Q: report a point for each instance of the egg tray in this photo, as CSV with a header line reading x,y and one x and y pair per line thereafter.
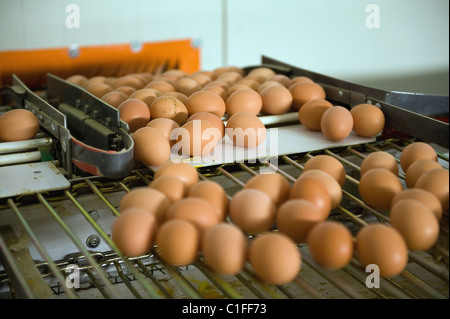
x,y
79,219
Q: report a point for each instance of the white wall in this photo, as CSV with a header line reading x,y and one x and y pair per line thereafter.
x,y
326,36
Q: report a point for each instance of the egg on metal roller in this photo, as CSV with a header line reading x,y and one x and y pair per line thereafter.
x,y
18,125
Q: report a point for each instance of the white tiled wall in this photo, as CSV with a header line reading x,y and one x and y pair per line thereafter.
x,y
327,36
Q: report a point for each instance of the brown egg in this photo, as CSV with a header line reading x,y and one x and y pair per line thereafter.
x,y
246,100
414,152
336,123
281,78
299,79
245,129
165,126
263,73
96,79
180,96
378,187
18,125
202,79
310,114
146,95
379,159
214,194
177,242
197,138
114,98
275,185
151,147
330,244
151,200
173,74
205,101
196,210
187,86
129,80
145,77
78,79
416,169
329,165
436,181
368,120
171,186
237,87
230,77
275,258
303,92
211,118
161,86
252,210
276,100
224,85
314,191
220,70
169,107
331,184
216,89
427,198
416,223
296,217
267,84
134,231
184,171
135,113
384,246
98,89
254,85
224,248
128,90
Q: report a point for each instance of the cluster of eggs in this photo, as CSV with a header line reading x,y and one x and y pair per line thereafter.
x,y
186,110
265,221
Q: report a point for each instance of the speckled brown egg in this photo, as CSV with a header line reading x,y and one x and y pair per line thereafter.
x,y
169,107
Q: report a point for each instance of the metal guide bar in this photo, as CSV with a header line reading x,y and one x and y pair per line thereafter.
x,y
140,272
